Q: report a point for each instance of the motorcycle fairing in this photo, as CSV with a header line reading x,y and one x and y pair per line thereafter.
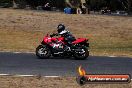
x,y
79,40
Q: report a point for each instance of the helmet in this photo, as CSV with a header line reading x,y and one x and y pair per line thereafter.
x,y
60,28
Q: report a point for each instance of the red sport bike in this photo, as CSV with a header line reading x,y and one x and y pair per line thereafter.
x,y
57,47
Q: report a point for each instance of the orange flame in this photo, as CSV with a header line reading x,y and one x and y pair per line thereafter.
x,y
81,71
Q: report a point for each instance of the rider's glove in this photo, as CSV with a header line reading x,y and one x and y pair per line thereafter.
x,y
51,35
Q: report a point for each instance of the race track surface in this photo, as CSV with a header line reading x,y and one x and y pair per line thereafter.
x,y
28,64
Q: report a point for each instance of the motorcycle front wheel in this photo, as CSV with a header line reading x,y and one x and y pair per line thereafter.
x,y
43,52
81,53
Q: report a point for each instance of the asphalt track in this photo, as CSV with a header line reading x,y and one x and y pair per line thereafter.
x,y
28,64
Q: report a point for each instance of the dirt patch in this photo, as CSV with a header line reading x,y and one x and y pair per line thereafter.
x,y
22,30
42,82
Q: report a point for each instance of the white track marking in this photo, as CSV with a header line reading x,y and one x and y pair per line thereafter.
x,y
23,52
51,76
4,74
112,56
16,52
29,75
24,75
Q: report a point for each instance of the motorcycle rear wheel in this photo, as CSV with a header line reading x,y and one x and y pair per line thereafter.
x,y
43,52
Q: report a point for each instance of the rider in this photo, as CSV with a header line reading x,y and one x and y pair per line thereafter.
x,y
69,38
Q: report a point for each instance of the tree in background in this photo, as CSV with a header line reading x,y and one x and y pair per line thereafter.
x,y
129,6
111,4
6,3
97,4
93,4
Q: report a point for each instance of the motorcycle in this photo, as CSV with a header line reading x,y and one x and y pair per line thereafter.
x,y
57,47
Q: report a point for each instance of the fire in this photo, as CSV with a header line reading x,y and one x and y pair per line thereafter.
x,y
81,71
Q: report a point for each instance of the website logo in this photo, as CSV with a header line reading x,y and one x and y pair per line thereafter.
x,y
84,78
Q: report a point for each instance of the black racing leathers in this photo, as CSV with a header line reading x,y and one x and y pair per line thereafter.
x,y
69,38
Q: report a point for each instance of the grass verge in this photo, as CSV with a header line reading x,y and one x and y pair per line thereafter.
x,y
22,30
